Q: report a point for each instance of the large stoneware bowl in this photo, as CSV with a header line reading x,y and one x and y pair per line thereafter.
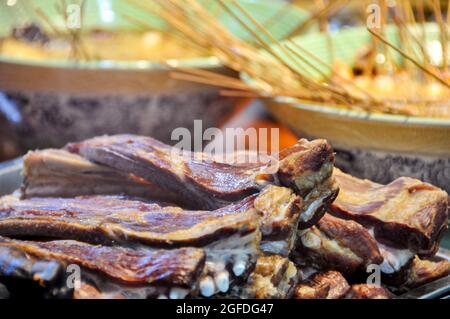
x,y
49,103
376,146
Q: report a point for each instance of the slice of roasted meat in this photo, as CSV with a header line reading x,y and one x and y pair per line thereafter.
x,y
405,214
365,291
229,235
280,209
425,271
58,173
323,285
336,244
203,182
177,269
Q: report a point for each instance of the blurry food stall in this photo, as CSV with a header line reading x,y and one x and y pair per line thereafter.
x,y
380,93
111,74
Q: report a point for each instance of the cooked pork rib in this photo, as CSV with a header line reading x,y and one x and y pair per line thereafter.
x,y
23,274
205,183
323,285
280,209
230,235
365,291
202,183
58,173
332,285
336,244
273,278
405,214
177,269
425,271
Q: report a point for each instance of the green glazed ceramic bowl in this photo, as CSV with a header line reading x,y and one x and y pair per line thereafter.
x,y
48,103
376,146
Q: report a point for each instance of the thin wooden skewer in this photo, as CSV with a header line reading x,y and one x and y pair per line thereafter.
x,y
406,56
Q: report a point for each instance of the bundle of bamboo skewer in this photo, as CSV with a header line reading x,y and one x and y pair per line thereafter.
x,y
288,69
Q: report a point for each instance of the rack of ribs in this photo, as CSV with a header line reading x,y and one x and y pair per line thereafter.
x,y
407,214
345,246
230,235
274,277
58,173
348,247
336,244
202,182
414,212
169,273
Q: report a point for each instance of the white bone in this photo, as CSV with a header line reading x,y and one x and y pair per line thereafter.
x,y
222,280
207,287
239,268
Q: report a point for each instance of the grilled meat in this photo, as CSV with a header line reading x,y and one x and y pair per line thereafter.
x,y
273,278
177,269
230,235
336,244
28,276
346,246
323,285
425,271
365,291
405,214
205,183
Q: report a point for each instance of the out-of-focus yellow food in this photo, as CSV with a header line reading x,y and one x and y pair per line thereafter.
x,y
409,93
103,45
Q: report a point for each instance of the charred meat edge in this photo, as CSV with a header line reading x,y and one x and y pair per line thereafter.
x,y
418,226
336,244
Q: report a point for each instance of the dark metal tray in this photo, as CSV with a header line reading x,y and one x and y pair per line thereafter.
x,y
10,180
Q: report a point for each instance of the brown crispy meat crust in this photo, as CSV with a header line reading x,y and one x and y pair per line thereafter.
x,y
179,267
107,219
406,213
337,244
323,285
365,291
